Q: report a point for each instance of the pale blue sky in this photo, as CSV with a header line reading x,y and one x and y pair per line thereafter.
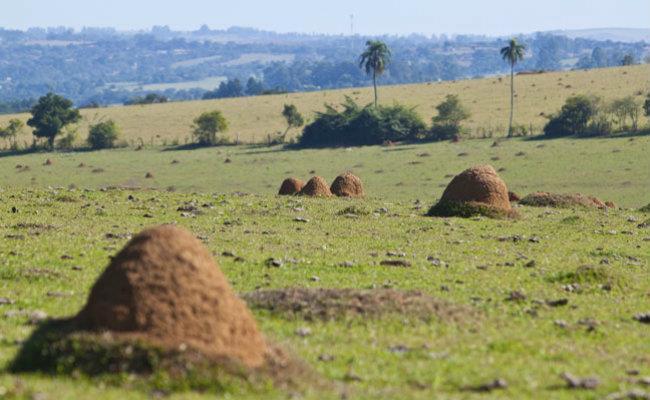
x,y
492,17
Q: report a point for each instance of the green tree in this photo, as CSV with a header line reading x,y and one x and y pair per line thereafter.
x,y
451,113
206,127
50,115
293,117
103,135
628,59
573,118
374,61
13,128
625,108
512,54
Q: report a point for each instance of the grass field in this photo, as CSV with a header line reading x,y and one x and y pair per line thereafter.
x,y
523,300
50,263
252,119
614,169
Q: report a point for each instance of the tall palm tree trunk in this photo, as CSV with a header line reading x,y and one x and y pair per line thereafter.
x,y
512,97
374,84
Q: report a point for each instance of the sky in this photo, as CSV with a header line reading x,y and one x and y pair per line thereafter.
x,y
490,17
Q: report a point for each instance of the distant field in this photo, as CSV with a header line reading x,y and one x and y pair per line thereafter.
x,y
253,118
614,169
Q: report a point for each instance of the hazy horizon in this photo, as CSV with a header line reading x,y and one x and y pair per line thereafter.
x,y
498,18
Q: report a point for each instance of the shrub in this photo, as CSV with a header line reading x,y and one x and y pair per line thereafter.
x,y
625,108
573,118
293,117
103,135
646,106
357,126
447,124
68,140
207,126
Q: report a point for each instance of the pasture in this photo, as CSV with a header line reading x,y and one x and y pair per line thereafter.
x,y
253,119
521,301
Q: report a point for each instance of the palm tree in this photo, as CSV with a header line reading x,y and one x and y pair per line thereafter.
x,y
512,53
374,60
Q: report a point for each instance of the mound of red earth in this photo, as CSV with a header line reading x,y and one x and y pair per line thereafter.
x,y
546,199
477,190
348,185
291,186
316,187
165,288
163,305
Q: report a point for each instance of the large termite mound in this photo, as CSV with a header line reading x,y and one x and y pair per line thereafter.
x,y
348,185
477,190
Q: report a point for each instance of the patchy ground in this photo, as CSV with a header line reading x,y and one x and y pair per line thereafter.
x,y
550,305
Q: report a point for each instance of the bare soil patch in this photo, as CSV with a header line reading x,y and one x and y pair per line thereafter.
x,y
330,304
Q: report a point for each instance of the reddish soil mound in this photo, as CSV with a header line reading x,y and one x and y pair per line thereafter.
x,y
513,197
546,199
477,190
165,288
316,187
291,186
348,185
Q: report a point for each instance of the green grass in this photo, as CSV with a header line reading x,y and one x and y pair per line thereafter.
x,y
612,169
517,341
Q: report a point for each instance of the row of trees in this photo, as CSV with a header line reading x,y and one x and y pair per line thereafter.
x,y
591,116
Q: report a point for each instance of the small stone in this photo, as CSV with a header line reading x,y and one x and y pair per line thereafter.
x,y
5,301
574,382
36,317
516,295
303,332
557,303
643,318
301,219
326,358
395,263
274,262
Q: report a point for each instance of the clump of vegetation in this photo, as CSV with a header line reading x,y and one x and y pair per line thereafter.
x,y
50,115
469,209
590,116
573,118
11,130
103,135
229,88
207,126
151,98
447,124
358,126
590,274
645,209
293,117
646,106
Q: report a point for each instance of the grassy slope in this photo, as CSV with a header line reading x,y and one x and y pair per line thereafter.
x,y
253,118
508,339
614,169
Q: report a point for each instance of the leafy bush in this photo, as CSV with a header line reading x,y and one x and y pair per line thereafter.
x,y
357,126
293,117
206,127
103,135
646,106
447,124
573,118
151,98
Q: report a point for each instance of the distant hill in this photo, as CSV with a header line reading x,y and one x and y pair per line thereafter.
x,y
627,35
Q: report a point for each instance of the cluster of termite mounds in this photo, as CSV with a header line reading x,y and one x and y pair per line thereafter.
x,y
480,190
345,185
162,302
